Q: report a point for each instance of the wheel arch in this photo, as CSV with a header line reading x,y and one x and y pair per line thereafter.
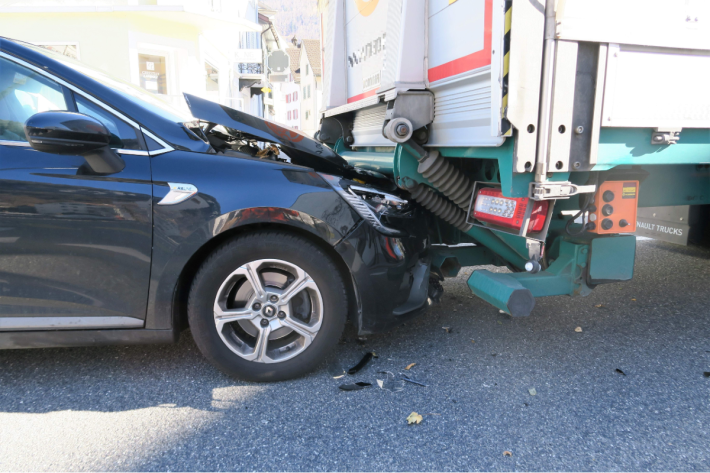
x,y
184,282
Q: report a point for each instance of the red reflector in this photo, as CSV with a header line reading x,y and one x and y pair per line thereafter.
x,y
508,212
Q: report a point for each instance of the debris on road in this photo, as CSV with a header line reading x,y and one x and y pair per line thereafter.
x,y
414,418
365,360
706,374
620,372
409,366
532,391
355,386
578,329
598,306
410,380
390,383
335,369
448,329
507,453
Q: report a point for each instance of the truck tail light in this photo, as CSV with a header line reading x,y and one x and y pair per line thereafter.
x,y
509,212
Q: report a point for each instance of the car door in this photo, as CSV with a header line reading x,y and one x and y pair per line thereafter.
x,y
75,247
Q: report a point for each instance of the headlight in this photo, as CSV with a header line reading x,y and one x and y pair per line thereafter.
x,y
369,203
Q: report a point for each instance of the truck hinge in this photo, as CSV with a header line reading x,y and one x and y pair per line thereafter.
x,y
665,136
557,190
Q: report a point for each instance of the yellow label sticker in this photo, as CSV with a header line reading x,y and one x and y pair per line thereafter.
x,y
628,191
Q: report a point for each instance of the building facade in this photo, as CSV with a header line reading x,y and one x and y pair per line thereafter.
x,y
209,48
311,85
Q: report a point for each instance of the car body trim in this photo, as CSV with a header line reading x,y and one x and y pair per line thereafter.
x,y
179,192
14,143
166,148
136,152
67,323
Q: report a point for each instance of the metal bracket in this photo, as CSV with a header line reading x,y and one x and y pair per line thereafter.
x,y
665,136
409,111
557,190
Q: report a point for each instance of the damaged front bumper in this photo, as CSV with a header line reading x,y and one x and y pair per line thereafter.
x,y
390,276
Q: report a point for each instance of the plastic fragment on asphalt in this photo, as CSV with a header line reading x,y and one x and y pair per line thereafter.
x,y
578,329
448,329
409,366
355,386
532,391
410,380
390,383
620,372
361,364
335,369
507,453
414,418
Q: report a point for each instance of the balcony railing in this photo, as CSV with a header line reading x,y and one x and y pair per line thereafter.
x,y
250,68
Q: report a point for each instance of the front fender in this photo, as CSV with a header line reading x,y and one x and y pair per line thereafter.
x,y
232,193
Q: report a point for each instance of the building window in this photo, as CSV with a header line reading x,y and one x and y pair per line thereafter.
x,y
212,78
307,69
295,127
295,114
288,98
308,114
288,115
69,50
295,96
152,70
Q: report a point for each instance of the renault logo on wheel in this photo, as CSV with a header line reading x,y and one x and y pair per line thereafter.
x,y
269,311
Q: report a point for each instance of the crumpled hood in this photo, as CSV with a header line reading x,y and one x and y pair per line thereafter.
x,y
294,143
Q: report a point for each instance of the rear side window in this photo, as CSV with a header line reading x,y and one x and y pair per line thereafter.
x,y
23,93
123,135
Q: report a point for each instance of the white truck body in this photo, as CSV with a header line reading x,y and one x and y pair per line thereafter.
x,y
650,60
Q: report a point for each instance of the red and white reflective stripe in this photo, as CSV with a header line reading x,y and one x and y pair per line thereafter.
x,y
471,61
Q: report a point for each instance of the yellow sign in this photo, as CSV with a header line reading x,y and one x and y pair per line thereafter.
x,y
266,90
366,7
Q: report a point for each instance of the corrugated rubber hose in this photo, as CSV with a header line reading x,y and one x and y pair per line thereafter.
x,y
439,206
447,179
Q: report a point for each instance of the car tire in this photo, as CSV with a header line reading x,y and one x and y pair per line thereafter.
x,y
236,348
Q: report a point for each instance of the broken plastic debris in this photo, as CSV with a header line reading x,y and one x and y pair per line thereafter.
x,y
414,418
335,369
355,386
578,329
410,380
390,383
409,366
501,312
532,391
365,360
448,329
507,453
620,372
598,305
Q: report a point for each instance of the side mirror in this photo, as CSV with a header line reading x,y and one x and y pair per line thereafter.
x,y
69,133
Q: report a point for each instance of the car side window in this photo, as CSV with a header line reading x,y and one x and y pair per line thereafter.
x,y
123,135
23,93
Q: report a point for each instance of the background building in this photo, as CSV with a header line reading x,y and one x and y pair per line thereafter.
x,y
210,48
311,85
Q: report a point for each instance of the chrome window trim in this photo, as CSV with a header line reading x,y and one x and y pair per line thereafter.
x,y
67,323
136,152
14,143
166,148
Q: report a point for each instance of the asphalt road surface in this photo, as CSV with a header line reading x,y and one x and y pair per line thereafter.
x,y
166,408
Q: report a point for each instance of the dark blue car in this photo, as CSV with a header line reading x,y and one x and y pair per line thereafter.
x,y
123,221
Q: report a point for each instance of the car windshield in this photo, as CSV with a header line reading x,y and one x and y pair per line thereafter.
x,y
130,91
